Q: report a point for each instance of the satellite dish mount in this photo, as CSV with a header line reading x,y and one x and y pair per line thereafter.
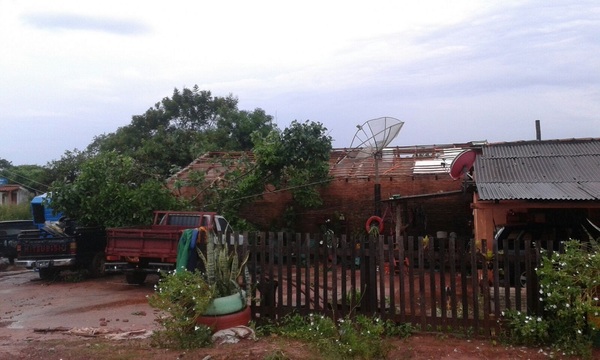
x,y
370,140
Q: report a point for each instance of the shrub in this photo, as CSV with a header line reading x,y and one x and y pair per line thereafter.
x,y
569,285
524,329
182,296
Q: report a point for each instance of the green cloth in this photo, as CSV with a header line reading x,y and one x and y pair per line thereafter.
x,y
183,249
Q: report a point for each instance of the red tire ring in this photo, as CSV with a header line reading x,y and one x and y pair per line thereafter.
x,y
370,221
221,322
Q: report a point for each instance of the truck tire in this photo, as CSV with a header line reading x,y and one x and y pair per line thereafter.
x,y
48,274
135,277
96,267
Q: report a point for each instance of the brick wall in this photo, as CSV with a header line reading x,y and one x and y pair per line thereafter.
x,y
354,198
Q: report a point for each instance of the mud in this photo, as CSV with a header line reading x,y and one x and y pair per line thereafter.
x,y
33,310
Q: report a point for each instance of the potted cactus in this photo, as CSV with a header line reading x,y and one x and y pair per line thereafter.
x,y
225,269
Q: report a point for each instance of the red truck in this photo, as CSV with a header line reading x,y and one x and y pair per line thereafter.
x,y
138,251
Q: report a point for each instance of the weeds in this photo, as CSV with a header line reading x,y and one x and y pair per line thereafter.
x,y
15,212
358,337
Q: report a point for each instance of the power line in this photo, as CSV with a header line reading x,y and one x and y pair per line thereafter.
x,y
26,178
271,192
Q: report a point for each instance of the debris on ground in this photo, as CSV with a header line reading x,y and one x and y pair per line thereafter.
x,y
233,335
111,334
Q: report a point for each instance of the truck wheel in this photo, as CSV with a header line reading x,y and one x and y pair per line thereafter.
x,y
48,274
96,267
135,278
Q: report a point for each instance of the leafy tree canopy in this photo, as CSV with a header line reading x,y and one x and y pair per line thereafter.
x,y
178,129
35,178
295,159
111,190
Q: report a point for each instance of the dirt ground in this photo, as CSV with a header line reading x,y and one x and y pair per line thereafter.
x,y
106,318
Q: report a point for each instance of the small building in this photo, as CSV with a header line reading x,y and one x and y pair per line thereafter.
x,y
11,194
535,181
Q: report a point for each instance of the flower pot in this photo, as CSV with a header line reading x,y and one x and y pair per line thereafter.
x,y
220,322
226,304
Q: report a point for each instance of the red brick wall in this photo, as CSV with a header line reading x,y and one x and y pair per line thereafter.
x,y
354,198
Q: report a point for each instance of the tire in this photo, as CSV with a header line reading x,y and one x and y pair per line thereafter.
x,y
48,274
370,224
523,279
96,267
135,277
221,322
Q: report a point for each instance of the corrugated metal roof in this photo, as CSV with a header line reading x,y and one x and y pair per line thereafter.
x,y
539,170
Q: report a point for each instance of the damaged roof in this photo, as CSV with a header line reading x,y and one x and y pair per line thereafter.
x,y
566,169
344,163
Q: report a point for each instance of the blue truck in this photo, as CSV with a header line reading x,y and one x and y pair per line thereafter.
x,y
59,243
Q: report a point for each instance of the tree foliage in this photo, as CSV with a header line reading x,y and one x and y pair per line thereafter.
x,y
111,190
69,165
119,178
35,178
295,159
179,128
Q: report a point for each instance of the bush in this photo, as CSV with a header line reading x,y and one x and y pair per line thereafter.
x,y
569,285
182,296
524,329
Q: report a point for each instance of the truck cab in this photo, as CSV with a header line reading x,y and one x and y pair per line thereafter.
x,y
42,212
57,243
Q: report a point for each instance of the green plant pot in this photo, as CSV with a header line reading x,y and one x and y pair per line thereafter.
x,y
226,305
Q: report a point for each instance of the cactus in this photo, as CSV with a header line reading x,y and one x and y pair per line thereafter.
x,y
223,267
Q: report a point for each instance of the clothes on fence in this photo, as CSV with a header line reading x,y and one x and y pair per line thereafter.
x,y
187,257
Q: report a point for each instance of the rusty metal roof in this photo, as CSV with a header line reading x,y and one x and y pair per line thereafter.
x,y
566,169
10,187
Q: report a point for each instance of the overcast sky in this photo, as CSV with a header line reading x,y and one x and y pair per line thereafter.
x,y
453,71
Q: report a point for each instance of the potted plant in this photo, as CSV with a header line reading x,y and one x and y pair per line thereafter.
x,y
211,297
225,269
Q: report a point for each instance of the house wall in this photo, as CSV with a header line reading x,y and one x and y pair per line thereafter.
x,y
489,215
15,197
348,203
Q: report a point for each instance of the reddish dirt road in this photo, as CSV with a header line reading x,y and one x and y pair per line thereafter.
x,y
34,310
35,317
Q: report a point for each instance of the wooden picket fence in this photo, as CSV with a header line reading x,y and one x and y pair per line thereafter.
x,y
443,284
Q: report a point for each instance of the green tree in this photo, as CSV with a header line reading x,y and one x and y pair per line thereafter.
x,y
67,168
35,178
295,159
112,190
179,128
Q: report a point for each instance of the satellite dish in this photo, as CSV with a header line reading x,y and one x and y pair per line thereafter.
x,y
370,139
462,163
373,136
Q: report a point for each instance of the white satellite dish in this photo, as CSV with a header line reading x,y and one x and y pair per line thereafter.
x,y
369,141
373,136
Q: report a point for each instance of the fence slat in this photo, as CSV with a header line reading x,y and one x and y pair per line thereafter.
x,y
445,285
